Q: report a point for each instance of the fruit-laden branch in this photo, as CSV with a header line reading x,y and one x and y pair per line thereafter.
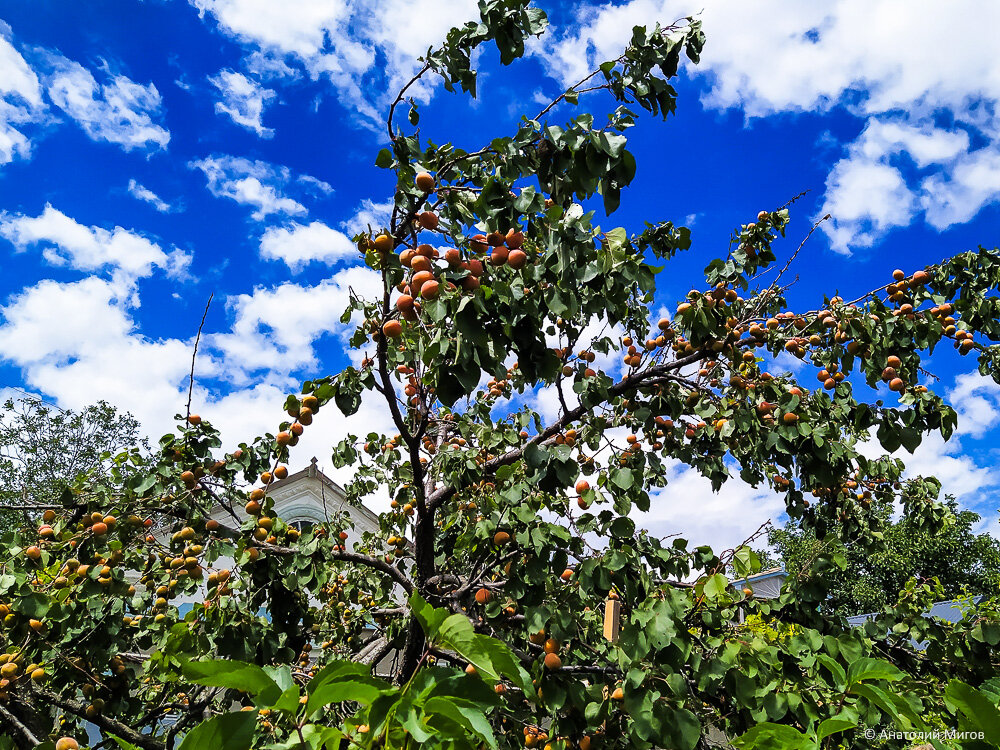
x,y
124,731
636,379
340,555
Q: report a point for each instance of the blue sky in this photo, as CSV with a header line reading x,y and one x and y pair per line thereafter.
x,y
155,153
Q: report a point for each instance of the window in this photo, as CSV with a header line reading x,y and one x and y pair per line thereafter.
x,y
302,525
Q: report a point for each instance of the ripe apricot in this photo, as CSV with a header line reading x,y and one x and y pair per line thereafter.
x,y
392,329
551,646
553,662
67,743
420,263
425,182
470,283
281,472
789,417
483,596
283,438
194,419
494,239
33,552
567,574
514,238
99,529
383,243
517,259
430,289
428,220
501,538
454,257
582,486
898,275
419,279
499,255
479,244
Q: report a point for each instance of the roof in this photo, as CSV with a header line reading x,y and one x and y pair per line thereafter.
x,y
763,575
313,471
951,611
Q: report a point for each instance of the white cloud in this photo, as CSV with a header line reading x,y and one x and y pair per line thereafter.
x,y
369,214
251,183
243,100
274,329
317,186
269,66
864,199
120,111
300,244
977,400
879,61
688,507
63,335
20,102
365,55
66,242
143,193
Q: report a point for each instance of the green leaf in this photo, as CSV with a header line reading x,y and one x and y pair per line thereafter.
x,y
834,668
768,736
866,668
979,709
464,713
121,743
491,658
891,704
236,675
430,619
349,687
384,159
835,724
716,585
232,731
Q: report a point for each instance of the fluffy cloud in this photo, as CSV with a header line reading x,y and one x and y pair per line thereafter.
x,y
369,214
66,242
274,329
77,342
688,507
930,111
143,193
366,56
20,101
300,244
251,183
977,401
119,111
243,100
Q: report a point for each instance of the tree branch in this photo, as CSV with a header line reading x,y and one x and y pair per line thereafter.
x,y
19,726
124,731
441,495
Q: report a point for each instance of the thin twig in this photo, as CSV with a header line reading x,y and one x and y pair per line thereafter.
x,y
194,355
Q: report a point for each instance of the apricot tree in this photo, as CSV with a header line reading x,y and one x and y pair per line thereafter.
x,y
511,530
